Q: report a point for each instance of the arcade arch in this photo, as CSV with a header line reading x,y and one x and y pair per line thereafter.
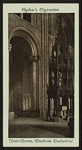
x,y
22,72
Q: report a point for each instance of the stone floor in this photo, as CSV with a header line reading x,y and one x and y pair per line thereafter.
x,y
37,128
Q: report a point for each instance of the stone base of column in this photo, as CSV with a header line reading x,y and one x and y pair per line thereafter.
x,y
44,113
51,113
41,113
57,119
11,115
49,117
45,116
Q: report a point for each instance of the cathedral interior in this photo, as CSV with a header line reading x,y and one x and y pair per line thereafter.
x,y
41,65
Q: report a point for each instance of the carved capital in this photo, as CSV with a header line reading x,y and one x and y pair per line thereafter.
x,y
39,57
32,58
10,47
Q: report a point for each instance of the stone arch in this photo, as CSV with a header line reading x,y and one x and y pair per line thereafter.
x,y
29,36
35,46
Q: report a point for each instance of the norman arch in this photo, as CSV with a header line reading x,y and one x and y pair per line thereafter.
x,y
30,37
24,66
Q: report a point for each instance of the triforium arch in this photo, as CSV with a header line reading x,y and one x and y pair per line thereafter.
x,y
27,99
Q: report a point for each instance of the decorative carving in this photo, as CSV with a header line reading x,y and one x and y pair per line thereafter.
x,y
10,47
60,77
32,58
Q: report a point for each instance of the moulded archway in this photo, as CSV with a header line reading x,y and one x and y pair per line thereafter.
x,y
29,36
24,52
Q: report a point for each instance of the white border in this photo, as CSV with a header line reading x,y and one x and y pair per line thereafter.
x,y
17,8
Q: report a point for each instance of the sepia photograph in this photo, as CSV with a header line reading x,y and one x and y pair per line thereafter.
x,y
41,76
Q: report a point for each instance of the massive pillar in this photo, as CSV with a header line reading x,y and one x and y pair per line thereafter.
x,y
45,56
34,84
46,62
40,86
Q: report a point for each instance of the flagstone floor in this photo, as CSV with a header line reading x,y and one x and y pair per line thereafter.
x,y
37,128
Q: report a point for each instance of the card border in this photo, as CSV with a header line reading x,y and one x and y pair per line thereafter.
x,y
79,57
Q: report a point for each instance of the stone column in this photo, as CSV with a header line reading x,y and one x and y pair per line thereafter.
x,y
49,23
11,113
49,117
40,85
42,48
38,20
32,18
46,67
10,85
67,66
22,15
34,84
37,84
68,110
45,59
52,18
71,105
45,64
35,20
